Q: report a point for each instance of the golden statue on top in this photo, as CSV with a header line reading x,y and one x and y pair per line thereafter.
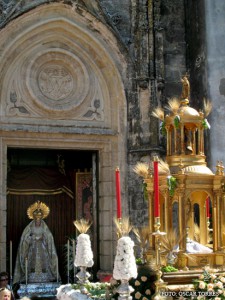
x,y
185,89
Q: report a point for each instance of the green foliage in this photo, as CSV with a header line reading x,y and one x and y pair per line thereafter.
x,y
172,184
205,124
163,128
145,192
168,269
176,122
96,290
139,261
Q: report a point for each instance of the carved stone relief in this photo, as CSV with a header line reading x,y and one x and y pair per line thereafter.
x,y
57,70
57,83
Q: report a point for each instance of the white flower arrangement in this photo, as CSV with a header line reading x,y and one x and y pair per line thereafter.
x,y
84,254
125,263
209,286
66,292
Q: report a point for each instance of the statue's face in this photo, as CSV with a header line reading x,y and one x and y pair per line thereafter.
x,y
37,215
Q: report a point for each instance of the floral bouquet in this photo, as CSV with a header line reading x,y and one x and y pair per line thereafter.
x,y
209,286
125,263
84,254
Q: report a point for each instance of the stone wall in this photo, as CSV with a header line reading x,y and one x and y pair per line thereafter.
x,y
149,45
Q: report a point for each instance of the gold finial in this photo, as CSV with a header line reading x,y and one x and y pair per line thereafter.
x,y
218,168
38,207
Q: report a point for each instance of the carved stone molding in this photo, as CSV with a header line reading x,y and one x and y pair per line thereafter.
x,y
54,69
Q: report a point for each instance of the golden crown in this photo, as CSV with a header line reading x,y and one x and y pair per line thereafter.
x,y
38,207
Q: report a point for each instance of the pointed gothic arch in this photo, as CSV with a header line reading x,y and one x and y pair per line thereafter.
x,y
62,86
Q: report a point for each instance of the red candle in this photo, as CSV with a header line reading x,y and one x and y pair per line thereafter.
x,y
118,196
207,207
156,188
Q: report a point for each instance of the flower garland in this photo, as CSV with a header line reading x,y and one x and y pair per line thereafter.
x,y
209,286
125,265
84,254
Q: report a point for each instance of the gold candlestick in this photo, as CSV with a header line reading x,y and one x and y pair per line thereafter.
x,y
160,285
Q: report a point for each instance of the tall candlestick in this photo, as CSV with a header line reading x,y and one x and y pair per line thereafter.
x,y
207,207
68,261
10,258
156,188
118,195
26,265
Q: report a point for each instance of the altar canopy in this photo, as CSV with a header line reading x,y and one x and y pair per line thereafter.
x,y
42,181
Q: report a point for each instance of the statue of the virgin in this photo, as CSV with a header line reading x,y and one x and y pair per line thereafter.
x,y
36,257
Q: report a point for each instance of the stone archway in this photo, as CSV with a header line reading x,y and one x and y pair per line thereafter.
x,y
62,87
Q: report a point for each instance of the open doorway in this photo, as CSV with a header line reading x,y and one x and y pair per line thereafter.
x,y
63,180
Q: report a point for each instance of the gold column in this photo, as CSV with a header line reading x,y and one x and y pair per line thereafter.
x,y
220,212
175,140
194,141
182,224
191,223
215,222
165,195
199,140
203,150
168,139
222,219
182,138
201,146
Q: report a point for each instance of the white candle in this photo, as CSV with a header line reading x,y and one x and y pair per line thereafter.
x,y
10,257
68,260
26,269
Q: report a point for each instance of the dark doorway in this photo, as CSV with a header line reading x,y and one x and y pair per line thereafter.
x,y
51,177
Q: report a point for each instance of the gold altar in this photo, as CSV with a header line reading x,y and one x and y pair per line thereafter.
x,y
183,206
